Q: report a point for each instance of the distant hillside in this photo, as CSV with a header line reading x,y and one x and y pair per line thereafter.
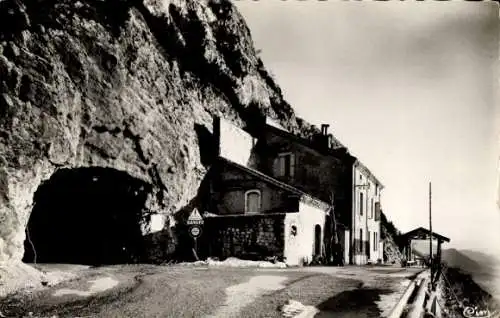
x,y
455,258
485,259
421,248
482,267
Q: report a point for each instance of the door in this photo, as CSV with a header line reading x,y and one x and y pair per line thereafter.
x,y
317,240
368,248
292,245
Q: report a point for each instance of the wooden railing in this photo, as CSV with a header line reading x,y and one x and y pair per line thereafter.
x,y
417,309
426,302
397,311
418,291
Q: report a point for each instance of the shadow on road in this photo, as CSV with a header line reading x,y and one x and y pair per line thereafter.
x,y
353,303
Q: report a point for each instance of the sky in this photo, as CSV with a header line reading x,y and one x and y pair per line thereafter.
x,y
410,88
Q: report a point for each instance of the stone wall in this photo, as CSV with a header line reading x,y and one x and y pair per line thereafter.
x,y
246,237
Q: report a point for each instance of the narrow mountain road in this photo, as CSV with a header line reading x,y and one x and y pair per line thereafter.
x,y
186,291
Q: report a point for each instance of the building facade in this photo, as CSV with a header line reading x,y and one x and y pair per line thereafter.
x,y
314,189
323,168
253,215
365,225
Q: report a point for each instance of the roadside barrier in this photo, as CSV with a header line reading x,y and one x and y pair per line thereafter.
x,y
397,311
417,308
400,307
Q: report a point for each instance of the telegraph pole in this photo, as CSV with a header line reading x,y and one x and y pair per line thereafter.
x,y
430,229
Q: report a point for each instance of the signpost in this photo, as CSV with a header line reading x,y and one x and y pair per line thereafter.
x,y
430,236
195,221
195,218
195,231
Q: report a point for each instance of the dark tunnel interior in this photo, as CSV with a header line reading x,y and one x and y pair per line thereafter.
x,y
87,216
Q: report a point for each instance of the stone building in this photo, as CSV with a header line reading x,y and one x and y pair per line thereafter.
x,y
316,181
253,216
324,168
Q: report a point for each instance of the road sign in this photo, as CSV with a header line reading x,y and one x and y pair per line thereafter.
x,y
195,231
195,218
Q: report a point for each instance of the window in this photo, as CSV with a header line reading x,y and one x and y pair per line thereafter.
x,y
361,203
252,201
368,235
286,165
377,211
375,241
372,208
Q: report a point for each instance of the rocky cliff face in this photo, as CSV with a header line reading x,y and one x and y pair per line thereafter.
x,y
390,235
392,254
130,85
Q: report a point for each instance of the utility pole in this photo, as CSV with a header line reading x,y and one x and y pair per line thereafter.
x,y
430,229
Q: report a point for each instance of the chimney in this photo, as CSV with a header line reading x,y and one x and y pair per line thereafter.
x,y
324,129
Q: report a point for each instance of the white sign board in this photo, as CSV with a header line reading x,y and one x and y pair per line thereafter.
x,y
195,218
235,144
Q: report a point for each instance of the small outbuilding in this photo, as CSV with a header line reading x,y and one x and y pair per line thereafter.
x,y
416,247
254,216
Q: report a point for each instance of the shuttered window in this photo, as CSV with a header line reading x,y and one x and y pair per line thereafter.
x,y
372,208
361,203
377,211
368,235
286,165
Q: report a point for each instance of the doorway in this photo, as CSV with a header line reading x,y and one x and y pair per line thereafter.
x,y
317,240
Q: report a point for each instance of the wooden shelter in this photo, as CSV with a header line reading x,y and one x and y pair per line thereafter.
x,y
416,245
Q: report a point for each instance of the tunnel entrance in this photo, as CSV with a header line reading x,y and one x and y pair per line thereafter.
x,y
87,216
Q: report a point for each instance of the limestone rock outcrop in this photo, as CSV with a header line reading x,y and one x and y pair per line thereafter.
x,y
390,236
124,84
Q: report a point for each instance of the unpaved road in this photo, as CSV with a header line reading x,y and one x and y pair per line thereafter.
x,y
180,291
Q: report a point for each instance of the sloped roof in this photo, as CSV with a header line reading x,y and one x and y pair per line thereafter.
x,y
333,152
425,231
273,181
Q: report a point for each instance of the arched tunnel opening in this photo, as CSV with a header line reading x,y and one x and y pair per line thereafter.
x,y
87,216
